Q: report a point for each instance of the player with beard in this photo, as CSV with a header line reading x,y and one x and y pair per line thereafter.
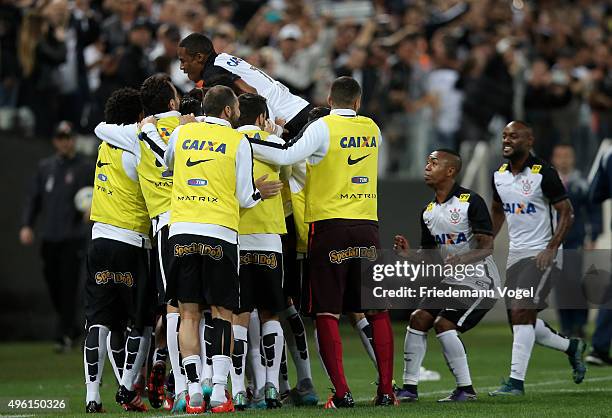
x,y
212,180
528,193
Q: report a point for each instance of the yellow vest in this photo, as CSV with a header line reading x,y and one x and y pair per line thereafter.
x,y
298,202
155,179
267,217
343,185
204,189
117,199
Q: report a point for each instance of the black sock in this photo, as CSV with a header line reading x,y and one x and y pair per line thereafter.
x,y
411,388
468,389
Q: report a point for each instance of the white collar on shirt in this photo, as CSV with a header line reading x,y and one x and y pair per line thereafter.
x,y
168,114
217,121
343,112
249,128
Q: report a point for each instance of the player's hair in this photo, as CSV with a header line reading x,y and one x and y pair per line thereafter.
x,y
318,112
251,106
344,91
123,106
191,102
190,105
456,162
197,43
156,93
216,99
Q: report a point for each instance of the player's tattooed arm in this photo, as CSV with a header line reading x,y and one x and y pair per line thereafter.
x,y
497,216
565,213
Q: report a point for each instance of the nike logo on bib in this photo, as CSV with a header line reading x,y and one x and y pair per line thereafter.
x,y
100,164
350,161
190,163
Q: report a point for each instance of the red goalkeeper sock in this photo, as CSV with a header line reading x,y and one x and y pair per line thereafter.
x,y
330,347
382,340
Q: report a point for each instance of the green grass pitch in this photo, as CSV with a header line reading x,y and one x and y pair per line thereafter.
x,y
33,371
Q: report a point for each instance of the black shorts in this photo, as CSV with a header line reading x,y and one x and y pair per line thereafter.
x,y
261,281
297,123
465,313
337,249
292,272
160,266
204,270
524,275
118,290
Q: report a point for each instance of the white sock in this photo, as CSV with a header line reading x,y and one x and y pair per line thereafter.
x,y
524,338
283,377
136,351
94,354
239,355
456,358
546,336
298,343
272,340
221,368
415,345
365,333
172,325
115,346
255,357
192,365
316,339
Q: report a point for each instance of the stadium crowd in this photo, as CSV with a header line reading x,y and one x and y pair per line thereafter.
x,y
434,73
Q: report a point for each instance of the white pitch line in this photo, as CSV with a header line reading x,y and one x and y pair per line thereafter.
x,y
527,386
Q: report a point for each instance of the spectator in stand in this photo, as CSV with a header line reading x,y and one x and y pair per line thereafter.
x,y
41,50
409,105
115,28
10,21
546,92
448,99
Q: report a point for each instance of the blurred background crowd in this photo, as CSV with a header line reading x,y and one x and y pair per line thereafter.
x,y
434,73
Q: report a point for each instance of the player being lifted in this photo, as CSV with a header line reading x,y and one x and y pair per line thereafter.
x,y
207,68
457,223
528,193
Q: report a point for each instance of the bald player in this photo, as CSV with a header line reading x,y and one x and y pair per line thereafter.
x,y
457,224
528,193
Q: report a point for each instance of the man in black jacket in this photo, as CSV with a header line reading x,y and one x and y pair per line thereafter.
x,y
62,229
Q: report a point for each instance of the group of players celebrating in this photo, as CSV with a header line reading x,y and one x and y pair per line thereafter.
x,y
235,204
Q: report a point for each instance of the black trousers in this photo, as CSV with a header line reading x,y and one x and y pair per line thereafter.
x,y
61,269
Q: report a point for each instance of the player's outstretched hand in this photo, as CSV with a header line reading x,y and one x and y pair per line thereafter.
x,y
148,119
401,245
545,258
268,189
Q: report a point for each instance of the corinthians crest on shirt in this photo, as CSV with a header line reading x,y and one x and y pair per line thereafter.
x,y
526,186
455,216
